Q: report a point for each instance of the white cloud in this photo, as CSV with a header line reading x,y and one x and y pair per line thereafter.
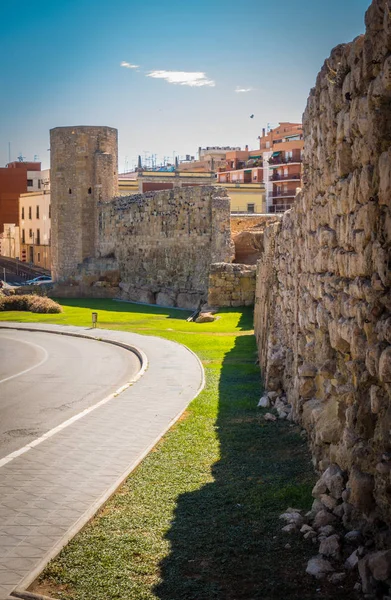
x,y
128,65
192,79
243,90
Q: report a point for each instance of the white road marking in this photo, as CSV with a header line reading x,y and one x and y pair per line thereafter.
x,y
144,364
45,357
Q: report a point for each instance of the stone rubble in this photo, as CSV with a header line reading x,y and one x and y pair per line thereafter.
x,y
319,567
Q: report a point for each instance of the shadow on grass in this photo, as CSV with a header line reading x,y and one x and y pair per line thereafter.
x,y
124,307
246,314
225,539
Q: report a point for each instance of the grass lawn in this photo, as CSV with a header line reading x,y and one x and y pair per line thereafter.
x,y
198,519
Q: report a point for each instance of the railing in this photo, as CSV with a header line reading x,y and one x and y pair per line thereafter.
x,y
21,269
282,194
236,210
276,177
279,208
277,160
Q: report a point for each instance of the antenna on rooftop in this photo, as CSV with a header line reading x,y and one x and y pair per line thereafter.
x,y
21,158
36,158
9,152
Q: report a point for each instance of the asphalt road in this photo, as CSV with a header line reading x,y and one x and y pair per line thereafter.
x,y
45,379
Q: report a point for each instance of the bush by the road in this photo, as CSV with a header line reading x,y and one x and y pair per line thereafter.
x,y
32,303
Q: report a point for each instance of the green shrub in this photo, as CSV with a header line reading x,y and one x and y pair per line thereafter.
x,y
32,303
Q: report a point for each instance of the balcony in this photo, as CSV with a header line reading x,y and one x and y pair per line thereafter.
x,y
280,160
282,194
279,208
290,176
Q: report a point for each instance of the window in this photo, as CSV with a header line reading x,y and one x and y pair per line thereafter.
x,y
39,187
251,208
29,183
39,257
50,211
23,237
22,212
30,213
38,239
37,212
30,233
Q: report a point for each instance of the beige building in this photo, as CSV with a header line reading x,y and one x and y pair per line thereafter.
x,y
9,241
35,228
245,197
210,159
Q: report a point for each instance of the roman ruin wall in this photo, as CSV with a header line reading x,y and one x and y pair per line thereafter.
x,y
231,285
164,243
247,235
155,247
249,222
83,173
323,301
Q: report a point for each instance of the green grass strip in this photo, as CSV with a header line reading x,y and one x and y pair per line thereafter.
x,y
198,519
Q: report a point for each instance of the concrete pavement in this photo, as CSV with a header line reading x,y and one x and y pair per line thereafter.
x,y
50,491
45,379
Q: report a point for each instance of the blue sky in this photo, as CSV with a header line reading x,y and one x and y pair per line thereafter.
x,y
60,64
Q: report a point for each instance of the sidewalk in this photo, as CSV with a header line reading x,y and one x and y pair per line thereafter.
x,y
48,493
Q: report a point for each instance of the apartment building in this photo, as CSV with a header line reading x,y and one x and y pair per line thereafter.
x,y
276,166
210,159
282,149
35,225
15,179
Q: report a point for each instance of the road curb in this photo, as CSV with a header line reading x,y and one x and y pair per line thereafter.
x,y
139,353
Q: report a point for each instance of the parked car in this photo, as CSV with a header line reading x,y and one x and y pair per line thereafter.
x,y
39,280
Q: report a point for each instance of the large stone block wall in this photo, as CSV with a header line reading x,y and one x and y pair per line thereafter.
x,y
247,235
231,285
164,243
323,301
249,222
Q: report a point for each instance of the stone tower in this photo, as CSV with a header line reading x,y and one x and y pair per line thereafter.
x,y
84,172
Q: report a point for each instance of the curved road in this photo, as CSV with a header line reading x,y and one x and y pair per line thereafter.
x,y
48,492
45,379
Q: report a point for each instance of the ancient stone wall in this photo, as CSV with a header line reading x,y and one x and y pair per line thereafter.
x,y
83,173
247,235
164,243
231,285
323,302
154,247
251,222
